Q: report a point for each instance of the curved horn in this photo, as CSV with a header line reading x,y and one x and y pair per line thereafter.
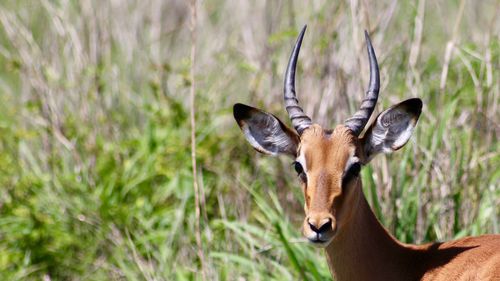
x,y
358,121
299,119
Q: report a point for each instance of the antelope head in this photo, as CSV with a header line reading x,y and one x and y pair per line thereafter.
x,y
328,161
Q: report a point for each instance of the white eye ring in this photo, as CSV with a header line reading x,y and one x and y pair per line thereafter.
x,y
350,162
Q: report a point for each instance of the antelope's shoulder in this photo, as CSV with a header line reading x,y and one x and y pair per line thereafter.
x,y
469,258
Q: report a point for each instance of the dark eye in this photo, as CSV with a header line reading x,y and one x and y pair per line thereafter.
x,y
300,171
351,173
298,167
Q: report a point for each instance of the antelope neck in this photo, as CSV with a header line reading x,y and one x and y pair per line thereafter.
x,y
364,250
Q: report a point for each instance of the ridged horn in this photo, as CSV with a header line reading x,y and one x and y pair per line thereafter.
x,y
358,121
300,120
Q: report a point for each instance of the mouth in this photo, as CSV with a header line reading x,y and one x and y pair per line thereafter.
x,y
321,243
320,240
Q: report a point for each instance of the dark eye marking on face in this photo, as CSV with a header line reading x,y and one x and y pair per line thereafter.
x,y
300,171
351,173
298,167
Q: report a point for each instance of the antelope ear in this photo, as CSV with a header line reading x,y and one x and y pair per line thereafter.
x,y
265,132
391,129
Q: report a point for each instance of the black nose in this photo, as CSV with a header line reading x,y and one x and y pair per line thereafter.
x,y
320,227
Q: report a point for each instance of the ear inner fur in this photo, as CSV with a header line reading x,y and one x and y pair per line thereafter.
x,y
265,132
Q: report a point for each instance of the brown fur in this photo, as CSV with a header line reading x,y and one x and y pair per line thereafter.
x,y
360,247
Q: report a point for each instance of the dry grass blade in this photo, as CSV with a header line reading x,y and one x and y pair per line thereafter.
x,y
450,46
192,94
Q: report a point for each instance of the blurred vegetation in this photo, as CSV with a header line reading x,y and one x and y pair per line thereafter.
x,y
95,168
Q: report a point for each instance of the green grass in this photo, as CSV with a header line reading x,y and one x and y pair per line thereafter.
x,y
95,167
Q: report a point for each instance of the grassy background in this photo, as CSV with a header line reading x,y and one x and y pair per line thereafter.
x,y
95,168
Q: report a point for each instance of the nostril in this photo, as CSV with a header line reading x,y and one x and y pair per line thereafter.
x,y
326,226
312,226
320,227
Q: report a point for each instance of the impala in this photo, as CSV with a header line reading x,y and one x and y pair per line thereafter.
x,y
337,215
